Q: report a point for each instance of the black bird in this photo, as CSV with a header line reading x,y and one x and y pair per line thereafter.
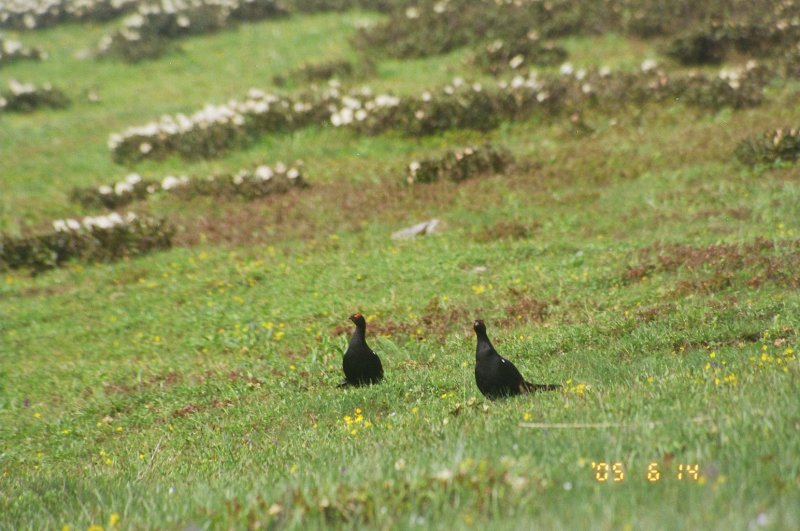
x,y
361,365
495,375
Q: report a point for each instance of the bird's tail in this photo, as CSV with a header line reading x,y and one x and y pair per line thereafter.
x,y
528,387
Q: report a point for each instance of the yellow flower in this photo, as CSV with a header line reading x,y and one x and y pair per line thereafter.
x,y
527,417
712,355
279,335
113,520
37,415
478,289
95,527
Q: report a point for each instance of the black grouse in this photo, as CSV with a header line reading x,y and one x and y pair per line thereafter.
x,y
361,365
495,375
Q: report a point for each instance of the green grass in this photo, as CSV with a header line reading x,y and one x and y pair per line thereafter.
x,y
197,386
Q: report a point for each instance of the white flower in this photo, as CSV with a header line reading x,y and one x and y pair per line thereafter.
x,y
516,61
280,167
361,115
412,12
426,96
73,224
183,21
294,173
130,217
122,187
60,225
414,167
145,148
566,69
170,182
133,178
604,71
264,173
105,189
648,65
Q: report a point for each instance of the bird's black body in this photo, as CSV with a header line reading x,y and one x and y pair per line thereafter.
x,y
360,364
496,376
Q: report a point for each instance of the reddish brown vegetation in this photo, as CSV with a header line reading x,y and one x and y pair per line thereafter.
x,y
437,321
195,408
159,380
718,266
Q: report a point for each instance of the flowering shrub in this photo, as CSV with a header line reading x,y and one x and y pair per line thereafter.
x,y
26,97
431,27
146,33
713,43
30,14
217,128
500,55
247,184
130,189
769,147
458,105
94,239
11,51
460,165
325,71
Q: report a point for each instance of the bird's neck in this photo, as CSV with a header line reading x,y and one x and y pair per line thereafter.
x,y
359,335
485,347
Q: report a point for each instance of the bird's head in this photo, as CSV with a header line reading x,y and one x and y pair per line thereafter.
x,y
479,326
358,320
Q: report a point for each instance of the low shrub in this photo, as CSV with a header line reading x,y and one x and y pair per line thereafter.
x,y
460,165
247,184
31,14
148,33
93,239
500,55
12,51
26,97
326,71
772,146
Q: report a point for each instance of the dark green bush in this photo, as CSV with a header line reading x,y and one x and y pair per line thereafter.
x,y
500,55
459,165
26,97
99,239
769,147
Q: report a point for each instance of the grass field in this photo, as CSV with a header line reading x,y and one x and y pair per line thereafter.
x,y
640,266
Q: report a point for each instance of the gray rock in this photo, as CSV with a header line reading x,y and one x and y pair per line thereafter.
x,y
420,229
